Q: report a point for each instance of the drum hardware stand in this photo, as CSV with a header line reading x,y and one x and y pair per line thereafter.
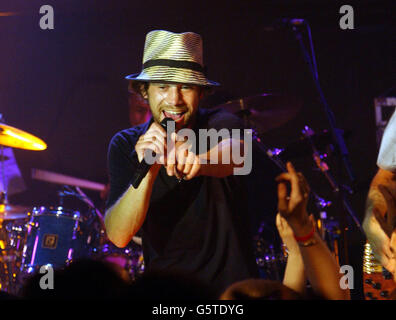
x,y
318,159
3,192
336,134
328,228
79,194
5,259
83,197
273,154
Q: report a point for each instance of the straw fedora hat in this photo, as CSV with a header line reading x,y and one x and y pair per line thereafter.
x,y
173,57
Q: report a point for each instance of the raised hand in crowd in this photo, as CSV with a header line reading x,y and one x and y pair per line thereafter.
x,y
294,276
320,266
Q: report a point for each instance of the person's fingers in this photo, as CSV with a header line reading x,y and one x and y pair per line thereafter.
x,y
181,156
277,219
278,223
156,135
170,169
160,147
159,132
154,142
143,146
283,223
177,174
171,151
154,138
158,128
194,169
283,177
180,166
304,185
183,166
189,163
295,193
382,222
182,152
282,198
290,168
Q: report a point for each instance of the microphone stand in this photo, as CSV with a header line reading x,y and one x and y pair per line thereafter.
x,y
4,191
335,132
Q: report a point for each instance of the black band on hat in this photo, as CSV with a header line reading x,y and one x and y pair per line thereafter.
x,y
174,64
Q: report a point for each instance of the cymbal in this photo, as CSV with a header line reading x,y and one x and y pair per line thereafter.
x,y
16,138
12,212
264,111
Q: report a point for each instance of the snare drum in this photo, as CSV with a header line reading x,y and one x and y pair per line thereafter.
x,y
55,236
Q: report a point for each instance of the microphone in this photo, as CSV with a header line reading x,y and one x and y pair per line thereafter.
x,y
143,166
285,22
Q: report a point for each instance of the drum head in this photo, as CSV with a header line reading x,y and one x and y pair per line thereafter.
x,y
57,211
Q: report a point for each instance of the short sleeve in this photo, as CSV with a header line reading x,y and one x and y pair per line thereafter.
x,y
122,163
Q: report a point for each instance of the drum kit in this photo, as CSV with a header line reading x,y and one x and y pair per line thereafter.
x,y
54,236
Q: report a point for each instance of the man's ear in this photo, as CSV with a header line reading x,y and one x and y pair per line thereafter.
x,y
138,87
143,90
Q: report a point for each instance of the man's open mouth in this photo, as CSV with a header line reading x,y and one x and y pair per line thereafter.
x,y
175,115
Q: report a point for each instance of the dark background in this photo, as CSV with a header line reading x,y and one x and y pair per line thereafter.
x,y
67,85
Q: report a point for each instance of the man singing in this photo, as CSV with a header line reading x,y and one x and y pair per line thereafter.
x,y
191,212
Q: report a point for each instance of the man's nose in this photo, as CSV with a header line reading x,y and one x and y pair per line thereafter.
x,y
174,97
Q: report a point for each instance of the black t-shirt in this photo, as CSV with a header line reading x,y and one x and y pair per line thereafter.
x,y
199,227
